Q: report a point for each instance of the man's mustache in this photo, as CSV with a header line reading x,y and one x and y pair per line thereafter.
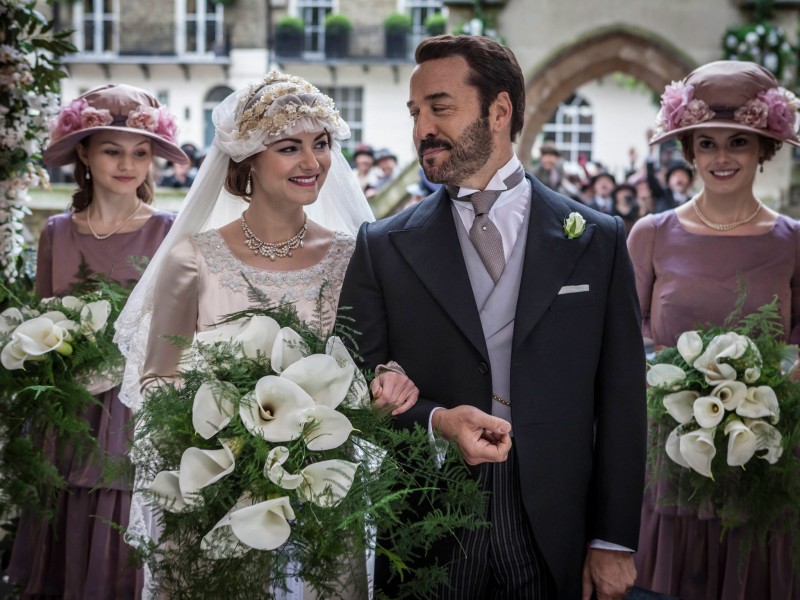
x,y
431,144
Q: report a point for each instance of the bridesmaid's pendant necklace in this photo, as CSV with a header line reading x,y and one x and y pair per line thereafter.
x,y
724,226
273,251
116,229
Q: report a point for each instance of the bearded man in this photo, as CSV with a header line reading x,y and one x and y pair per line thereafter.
x,y
514,311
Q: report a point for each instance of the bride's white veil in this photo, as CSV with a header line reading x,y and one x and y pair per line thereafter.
x,y
245,122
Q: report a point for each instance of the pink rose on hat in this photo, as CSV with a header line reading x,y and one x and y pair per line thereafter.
x,y
70,118
753,114
167,128
144,117
92,117
781,116
674,101
695,112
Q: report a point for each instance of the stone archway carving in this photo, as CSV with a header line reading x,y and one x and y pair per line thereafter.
x,y
642,54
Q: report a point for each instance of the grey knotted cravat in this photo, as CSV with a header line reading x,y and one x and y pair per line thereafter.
x,y
484,234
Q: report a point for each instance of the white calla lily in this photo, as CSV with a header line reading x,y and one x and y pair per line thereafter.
x,y
725,346
10,318
263,526
72,303
41,335
767,438
256,335
322,378
697,449
680,405
12,356
201,468
212,408
358,395
166,490
328,429
752,374
274,470
760,402
56,316
742,443
730,393
690,346
708,411
327,482
288,348
673,449
220,542
94,316
665,376
273,410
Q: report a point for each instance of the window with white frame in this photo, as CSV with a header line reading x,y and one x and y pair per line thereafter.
x,y
420,10
200,26
212,99
571,128
313,13
350,104
96,26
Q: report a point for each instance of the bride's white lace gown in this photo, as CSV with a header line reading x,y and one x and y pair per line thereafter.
x,y
200,282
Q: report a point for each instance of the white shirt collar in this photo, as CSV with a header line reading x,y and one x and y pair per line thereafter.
x,y
496,182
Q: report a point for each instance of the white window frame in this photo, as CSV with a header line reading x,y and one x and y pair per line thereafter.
x,y
348,99
98,17
313,34
201,19
556,128
419,11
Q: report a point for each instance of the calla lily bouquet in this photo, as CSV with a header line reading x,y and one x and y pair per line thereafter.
x,y
54,354
727,416
265,460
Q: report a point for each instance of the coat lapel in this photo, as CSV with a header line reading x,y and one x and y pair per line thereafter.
x,y
549,258
429,244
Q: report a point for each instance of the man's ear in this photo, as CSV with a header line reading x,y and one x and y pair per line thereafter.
x,y
500,112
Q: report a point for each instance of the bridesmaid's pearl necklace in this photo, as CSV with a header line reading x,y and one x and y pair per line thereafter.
x,y
270,250
116,229
724,226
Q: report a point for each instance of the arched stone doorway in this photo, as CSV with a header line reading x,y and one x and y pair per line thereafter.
x,y
642,54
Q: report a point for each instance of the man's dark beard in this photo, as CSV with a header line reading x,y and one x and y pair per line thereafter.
x,y
468,154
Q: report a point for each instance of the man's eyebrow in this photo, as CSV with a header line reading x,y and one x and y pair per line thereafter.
x,y
430,98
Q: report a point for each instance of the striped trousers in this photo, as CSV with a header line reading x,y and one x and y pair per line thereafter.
x,y
501,561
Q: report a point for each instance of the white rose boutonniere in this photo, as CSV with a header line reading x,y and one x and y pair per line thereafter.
x,y
574,225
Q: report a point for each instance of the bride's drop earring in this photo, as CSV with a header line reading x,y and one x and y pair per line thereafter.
x,y
88,174
248,188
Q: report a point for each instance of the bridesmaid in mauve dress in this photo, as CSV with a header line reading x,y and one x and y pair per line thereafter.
x,y
111,133
730,117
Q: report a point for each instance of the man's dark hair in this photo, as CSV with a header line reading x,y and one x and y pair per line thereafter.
x,y
493,69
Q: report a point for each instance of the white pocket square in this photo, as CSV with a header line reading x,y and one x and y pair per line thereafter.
x,y
574,289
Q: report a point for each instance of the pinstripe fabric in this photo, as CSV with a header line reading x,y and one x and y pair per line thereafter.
x,y
502,561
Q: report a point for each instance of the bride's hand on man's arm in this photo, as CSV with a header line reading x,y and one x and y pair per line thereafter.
x,y
394,392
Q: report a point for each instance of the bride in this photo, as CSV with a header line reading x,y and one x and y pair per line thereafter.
x,y
284,222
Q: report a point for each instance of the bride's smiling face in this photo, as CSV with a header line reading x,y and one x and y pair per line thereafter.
x,y
292,169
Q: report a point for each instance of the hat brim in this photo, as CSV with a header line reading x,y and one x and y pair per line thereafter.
x,y
62,151
718,124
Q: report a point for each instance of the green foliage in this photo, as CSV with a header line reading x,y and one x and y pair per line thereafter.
x,y
337,23
763,43
397,23
760,498
436,24
398,489
43,404
289,24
